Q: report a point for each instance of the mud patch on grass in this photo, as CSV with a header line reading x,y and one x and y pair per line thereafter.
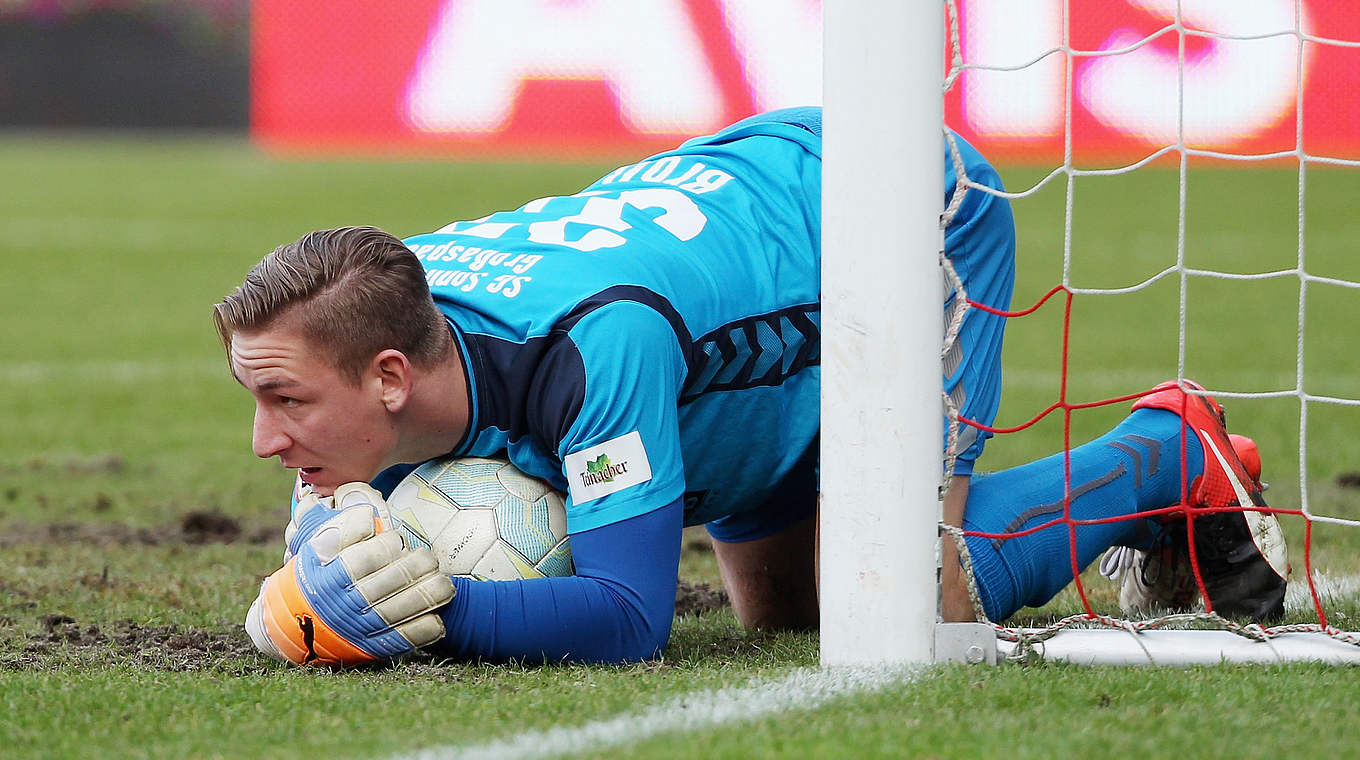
x,y
64,641
693,598
209,527
1348,480
107,463
195,527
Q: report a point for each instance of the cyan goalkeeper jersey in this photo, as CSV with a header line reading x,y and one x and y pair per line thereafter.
x,y
655,335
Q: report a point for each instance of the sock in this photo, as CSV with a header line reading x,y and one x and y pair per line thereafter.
x,y
1134,467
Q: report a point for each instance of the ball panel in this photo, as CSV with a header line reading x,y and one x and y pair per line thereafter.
x,y
523,525
557,514
469,535
503,563
526,487
471,482
557,561
420,511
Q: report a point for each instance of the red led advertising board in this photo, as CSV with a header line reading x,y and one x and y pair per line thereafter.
x,y
590,78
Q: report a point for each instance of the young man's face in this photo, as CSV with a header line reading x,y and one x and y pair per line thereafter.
x,y
309,415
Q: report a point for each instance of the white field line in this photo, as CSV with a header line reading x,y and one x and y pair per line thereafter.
x,y
801,689
1331,590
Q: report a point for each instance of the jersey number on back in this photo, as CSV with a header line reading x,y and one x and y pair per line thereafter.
x,y
602,211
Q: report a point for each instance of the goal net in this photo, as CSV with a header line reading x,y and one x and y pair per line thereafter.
x,y
1180,173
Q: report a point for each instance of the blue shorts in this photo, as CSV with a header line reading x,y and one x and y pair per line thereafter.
x,y
793,500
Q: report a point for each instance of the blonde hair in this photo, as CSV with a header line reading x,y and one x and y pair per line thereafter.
x,y
354,291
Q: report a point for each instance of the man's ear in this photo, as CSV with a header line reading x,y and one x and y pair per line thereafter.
x,y
393,370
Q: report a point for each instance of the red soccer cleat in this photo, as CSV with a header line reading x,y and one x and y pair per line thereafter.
x,y
1242,555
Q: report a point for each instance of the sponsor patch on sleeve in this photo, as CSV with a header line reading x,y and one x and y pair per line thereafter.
x,y
607,468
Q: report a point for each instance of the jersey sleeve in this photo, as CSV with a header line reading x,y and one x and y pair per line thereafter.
x,y
980,243
621,453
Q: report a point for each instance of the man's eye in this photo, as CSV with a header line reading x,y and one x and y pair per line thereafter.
x,y
289,401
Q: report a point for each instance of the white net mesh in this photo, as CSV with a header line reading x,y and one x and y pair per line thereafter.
x,y
1185,123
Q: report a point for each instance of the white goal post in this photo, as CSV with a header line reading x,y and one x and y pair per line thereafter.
x,y
882,195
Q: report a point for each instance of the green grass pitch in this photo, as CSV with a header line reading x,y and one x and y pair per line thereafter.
x,y
135,524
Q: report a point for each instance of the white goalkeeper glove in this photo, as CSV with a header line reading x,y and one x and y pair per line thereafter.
x,y
351,593
311,512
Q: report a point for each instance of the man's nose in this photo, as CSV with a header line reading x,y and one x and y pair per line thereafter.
x,y
267,439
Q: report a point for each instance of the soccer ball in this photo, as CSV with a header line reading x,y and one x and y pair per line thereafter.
x,y
483,519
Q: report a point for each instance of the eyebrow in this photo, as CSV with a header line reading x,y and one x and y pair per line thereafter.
x,y
273,384
270,384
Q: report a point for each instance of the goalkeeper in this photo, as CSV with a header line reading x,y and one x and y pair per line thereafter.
x,y
665,317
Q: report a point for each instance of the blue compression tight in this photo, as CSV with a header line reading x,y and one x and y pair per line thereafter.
x,y
1135,467
617,608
